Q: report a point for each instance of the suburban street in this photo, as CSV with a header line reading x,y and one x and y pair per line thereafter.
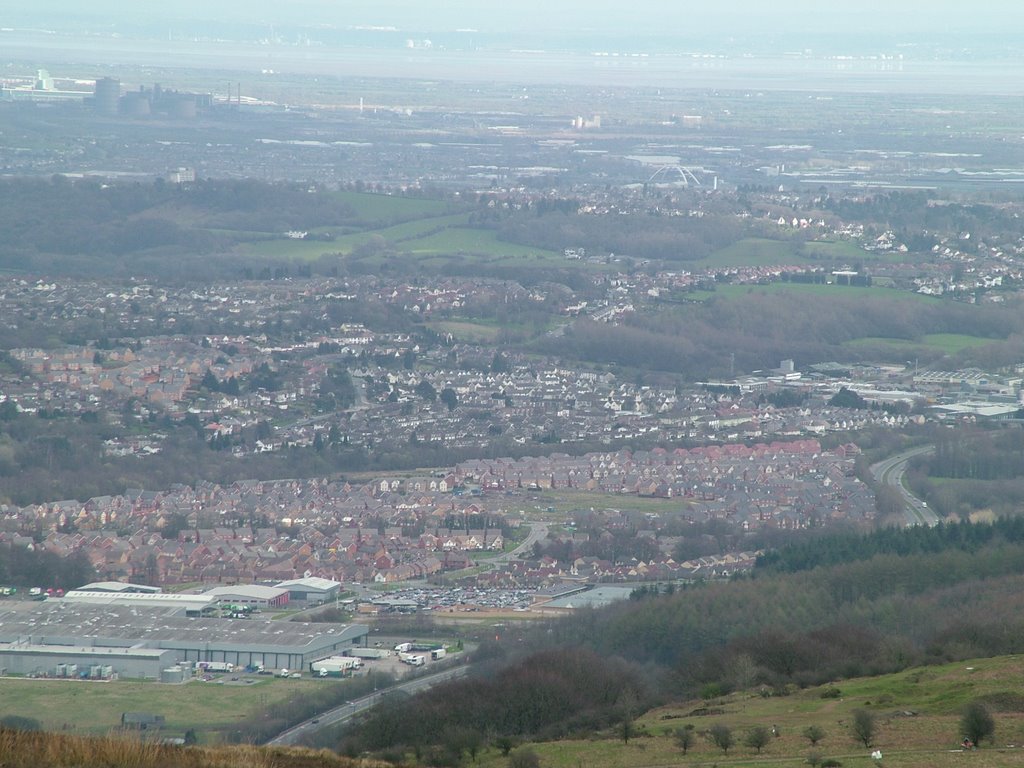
x,y
891,472
538,532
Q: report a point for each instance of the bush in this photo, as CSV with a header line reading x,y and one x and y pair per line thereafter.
x,y
814,734
757,738
524,757
711,691
977,722
685,738
19,723
721,736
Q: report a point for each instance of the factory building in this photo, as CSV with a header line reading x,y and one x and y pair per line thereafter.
x,y
83,662
311,590
274,644
190,605
250,594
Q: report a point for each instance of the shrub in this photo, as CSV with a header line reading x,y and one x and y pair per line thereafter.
x,y
524,757
814,734
977,722
721,736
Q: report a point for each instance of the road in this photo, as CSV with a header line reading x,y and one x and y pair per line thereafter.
x,y
345,712
538,532
891,471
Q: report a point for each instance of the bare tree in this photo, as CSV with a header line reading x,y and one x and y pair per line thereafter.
x,y
863,726
685,738
757,738
721,736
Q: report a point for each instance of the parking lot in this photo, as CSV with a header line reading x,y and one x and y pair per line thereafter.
x,y
457,599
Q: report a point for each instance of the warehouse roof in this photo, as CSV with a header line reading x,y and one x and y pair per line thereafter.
x,y
247,591
61,622
119,586
67,650
162,599
310,582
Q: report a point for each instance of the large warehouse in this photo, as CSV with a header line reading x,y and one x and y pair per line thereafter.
x,y
250,594
77,662
312,590
243,642
191,605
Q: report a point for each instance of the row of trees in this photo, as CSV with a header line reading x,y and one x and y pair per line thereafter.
x,y
24,567
547,695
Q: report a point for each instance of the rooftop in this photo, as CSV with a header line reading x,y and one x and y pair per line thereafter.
x,y
59,621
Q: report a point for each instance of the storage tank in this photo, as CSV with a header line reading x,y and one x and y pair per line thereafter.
x,y
175,674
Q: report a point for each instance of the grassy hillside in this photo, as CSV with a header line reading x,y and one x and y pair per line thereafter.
x,y
917,716
95,708
20,749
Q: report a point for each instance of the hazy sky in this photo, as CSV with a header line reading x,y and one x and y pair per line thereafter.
x,y
911,18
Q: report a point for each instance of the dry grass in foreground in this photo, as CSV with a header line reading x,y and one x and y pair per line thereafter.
x,y
32,749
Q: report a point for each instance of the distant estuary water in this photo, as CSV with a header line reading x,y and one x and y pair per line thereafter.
x,y
662,69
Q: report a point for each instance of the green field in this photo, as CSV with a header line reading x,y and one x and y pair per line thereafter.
x,y
435,236
563,501
916,713
951,343
481,241
345,244
466,331
753,251
391,209
95,707
947,343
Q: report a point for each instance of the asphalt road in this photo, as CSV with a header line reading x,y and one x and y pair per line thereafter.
x,y
345,712
538,532
891,471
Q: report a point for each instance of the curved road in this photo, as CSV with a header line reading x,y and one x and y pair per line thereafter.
x,y
538,532
345,712
891,472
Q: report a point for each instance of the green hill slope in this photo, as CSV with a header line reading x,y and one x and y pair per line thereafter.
x,y
916,713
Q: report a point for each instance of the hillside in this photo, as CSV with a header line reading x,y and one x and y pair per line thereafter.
x,y
917,715
849,607
30,749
